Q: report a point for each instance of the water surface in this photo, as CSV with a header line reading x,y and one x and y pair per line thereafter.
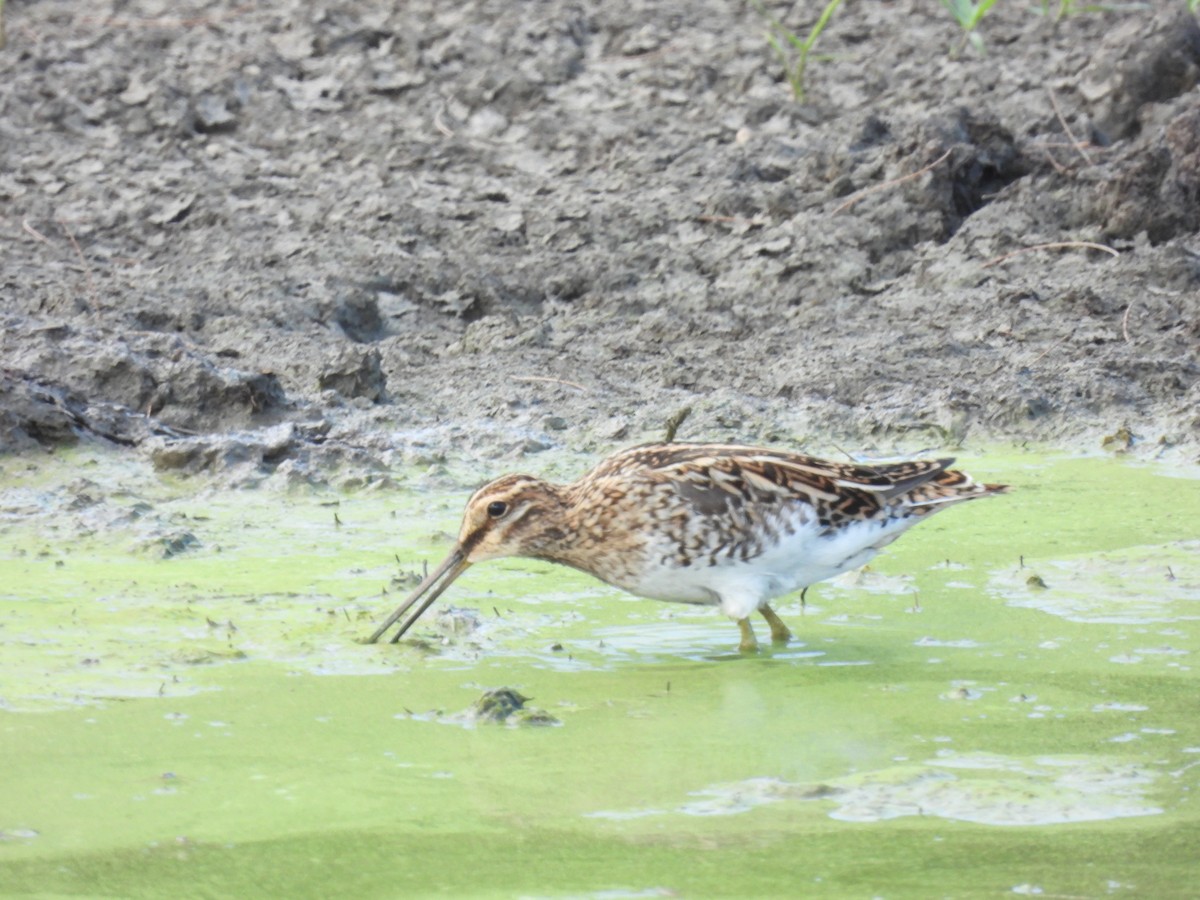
x,y
1004,702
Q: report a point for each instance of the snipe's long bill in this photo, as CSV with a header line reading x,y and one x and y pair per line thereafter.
x,y
718,524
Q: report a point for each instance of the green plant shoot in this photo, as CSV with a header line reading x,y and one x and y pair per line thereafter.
x,y
792,50
969,15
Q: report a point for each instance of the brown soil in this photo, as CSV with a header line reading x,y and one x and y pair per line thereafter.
x,y
332,232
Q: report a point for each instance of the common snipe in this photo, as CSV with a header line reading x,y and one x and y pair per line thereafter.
x,y
720,524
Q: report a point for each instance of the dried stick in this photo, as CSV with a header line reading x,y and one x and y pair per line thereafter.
x,y
439,124
87,269
893,183
37,234
1045,352
1054,245
1077,144
165,21
540,378
1058,167
733,220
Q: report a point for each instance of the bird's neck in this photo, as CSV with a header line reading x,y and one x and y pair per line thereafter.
x,y
549,527
563,527
580,532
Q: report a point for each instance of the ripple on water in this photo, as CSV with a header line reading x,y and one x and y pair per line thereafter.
x,y
646,641
984,788
873,582
1136,586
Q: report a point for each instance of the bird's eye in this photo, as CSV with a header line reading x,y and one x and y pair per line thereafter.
x,y
497,508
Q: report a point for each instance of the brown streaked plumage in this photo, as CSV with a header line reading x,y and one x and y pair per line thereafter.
x,y
722,524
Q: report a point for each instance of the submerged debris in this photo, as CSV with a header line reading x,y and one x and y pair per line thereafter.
x,y
177,543
499,704
1119,441
454,621
502,706
508,706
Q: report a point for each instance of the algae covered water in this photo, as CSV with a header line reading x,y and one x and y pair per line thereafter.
x,y
1004,702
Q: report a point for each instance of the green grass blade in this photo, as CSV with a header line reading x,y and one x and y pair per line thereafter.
x,y
980,11
826,15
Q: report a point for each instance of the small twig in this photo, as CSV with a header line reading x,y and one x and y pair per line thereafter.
x,y
846,453
666,48
1125,322
1087,145
1077,144
893,183
674,422
440,125
1046,352
87,269
25,219
1058,167
164,21
996,371
37,234
733,220
1053,245
578,387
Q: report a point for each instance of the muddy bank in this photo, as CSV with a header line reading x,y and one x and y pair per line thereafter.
x,y
348,234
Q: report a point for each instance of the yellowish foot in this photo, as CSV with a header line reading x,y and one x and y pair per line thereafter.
x,y
749,642
779,631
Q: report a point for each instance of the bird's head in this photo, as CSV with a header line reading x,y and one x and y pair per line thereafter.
x,y
515,515
511,516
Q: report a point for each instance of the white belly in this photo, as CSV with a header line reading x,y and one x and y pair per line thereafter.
x,y
787,563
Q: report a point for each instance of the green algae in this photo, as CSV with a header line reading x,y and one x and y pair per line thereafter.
x,y
207,722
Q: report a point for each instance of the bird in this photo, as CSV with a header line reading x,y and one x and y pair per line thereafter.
x,y
726,525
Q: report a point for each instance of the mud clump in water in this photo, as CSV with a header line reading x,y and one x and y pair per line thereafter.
x,y
507,706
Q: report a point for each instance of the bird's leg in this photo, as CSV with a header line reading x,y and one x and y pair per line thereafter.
x,y
779,631
749,642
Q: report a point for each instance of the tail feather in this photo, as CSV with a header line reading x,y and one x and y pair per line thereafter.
x,y
950,486
897,479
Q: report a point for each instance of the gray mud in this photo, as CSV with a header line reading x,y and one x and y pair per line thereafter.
x,y
342,233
